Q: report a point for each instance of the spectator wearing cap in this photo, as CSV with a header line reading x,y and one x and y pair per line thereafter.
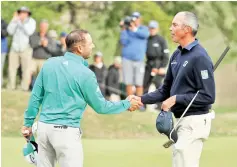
x,y
4,48
134,44
43,47
21,27
100,71
113,80
157,56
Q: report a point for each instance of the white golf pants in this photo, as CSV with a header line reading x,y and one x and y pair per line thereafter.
x,y
56,143
192,132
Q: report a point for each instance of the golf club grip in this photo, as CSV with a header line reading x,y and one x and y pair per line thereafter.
x,y
221,58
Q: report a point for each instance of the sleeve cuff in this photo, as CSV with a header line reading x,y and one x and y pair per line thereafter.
x,y
126,104
143,99
180,99
28,122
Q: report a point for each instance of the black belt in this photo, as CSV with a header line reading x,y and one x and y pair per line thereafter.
x,y
65,127
61,126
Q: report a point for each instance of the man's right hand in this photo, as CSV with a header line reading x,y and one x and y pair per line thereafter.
x,y
135,102
132,27
26,131
15,16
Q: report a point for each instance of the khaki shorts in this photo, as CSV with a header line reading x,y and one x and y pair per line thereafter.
x,y
133,72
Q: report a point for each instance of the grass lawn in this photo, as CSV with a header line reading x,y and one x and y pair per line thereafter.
x,y
218,152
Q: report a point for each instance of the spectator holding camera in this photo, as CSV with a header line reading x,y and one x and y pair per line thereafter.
x,y
134,43
21,27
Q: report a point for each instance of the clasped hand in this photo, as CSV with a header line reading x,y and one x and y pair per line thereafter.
x,y
135,102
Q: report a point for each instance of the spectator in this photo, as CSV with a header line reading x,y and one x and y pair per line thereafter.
x,y
157,55
21,27
100,71
53,35
113,80
4,48
43,47
62,44
134,41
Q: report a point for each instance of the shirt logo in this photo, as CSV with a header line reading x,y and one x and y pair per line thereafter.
x,y
185,63
65,63
166,51
156,45
204,74
98,89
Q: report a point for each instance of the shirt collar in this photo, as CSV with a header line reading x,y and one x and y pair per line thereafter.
x,y
76,58
190,46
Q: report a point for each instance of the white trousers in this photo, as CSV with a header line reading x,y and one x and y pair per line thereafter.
x,y
192,132
56,143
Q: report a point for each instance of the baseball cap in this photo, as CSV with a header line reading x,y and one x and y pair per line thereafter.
x,y
24,9
63,34
136,14
165,124
99,54
117,59
30,151
153,24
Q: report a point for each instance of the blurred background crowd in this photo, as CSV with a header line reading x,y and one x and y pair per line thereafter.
x,y
131,54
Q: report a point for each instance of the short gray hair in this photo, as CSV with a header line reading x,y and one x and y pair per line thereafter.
x,y
191,20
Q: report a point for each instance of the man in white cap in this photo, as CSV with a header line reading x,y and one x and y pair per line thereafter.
x,y
157,55
113,80
100,70
21,27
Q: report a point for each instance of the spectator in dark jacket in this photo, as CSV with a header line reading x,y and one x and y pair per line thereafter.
x,y
4,48
113,80
43,47
61,47
157,55
100,71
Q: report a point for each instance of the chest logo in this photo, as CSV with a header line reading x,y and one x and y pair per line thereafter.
x,y
65,63
185,63
156,45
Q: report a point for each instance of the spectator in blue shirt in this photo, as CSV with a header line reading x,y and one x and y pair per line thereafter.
x,y
4,48
134,44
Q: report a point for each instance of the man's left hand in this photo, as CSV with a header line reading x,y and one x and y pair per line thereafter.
x,y
168,103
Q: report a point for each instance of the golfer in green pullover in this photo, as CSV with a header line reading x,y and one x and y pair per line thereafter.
x,y
64,86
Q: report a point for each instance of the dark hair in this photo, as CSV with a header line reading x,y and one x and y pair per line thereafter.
x,y
75,37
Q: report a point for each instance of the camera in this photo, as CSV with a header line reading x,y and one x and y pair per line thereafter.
x,y
127,21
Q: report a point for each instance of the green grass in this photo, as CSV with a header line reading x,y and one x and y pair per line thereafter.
x,y
218,152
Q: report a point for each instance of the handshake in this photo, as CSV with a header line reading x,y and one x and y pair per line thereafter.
x,y
135,102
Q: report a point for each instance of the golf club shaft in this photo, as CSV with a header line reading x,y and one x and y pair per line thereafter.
x,y
221,58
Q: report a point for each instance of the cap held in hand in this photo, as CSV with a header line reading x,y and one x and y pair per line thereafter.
x,y
165,124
